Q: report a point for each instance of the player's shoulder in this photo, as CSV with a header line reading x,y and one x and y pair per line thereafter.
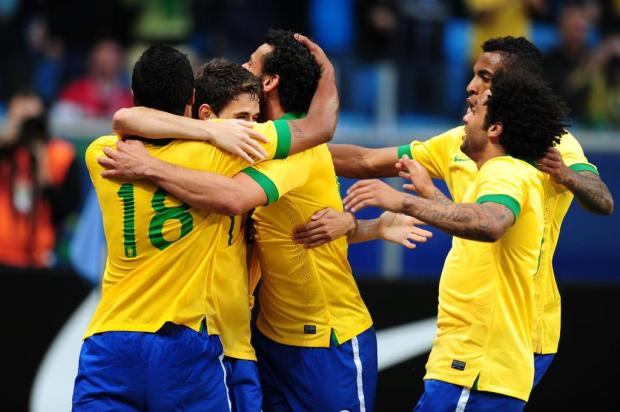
x,y
569,145
96,146
511,166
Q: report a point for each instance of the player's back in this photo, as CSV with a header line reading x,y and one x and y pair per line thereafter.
x,y
307,296
159,250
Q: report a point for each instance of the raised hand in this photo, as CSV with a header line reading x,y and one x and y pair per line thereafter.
x,y
324,226
373,193
239,138
402,229
420,179
130,161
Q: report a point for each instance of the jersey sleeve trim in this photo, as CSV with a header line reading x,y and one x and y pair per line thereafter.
x,y
266,183
284,139
405,150
506,200
584,167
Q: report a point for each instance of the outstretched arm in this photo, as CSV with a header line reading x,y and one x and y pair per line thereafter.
x,y
199,189
234,136
328,224
589,190
363,162
485,222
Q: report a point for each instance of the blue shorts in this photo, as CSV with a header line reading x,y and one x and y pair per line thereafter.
x,y
440,396
175,368
541,365
243,384
299,379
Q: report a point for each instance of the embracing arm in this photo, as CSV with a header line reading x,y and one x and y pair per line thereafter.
x,y
234,136
363,162
591,192
320,122
199,189
207,191
589,189
485,222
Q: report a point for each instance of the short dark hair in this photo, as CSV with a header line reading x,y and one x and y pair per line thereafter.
x,y
219,81
532,117
163,79
517,49
298,70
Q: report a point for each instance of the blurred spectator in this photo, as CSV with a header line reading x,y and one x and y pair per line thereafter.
x,y
14,69
497,18
102,91
420,59
603,110
565,65
610,17
39,185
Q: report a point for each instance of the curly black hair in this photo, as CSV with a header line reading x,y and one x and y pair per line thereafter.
x,y
518,50
532,117
163,79
219,81
298,70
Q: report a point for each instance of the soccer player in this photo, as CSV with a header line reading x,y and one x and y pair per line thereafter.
x,y
148,345
571,175
315,344
482,358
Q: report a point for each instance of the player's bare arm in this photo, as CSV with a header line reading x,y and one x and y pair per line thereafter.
x,y
199,189
328,224
589,190
234,136
363,162
320,122
486,222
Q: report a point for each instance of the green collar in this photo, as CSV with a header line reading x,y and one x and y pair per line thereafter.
x,y
293,115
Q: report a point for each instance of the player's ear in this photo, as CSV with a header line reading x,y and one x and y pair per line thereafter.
x,y
270,82
495,131
205,112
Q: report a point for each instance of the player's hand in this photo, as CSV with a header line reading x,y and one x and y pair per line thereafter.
x,y
373,193
324,226
421,181
552,164
239,138
402,229
317,52
130,161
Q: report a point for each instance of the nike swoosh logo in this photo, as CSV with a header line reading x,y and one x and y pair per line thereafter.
x,y
461,159
399,343
53,384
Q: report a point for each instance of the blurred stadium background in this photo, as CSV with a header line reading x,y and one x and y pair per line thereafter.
x,y
402,70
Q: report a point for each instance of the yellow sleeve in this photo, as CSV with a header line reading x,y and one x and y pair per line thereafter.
x,y
502,181
573,156
279,135
434,153
278,177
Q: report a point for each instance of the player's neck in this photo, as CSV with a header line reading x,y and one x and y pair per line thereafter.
x,y
273,108
490,151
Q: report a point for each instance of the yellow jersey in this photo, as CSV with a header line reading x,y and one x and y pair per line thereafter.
x,y
486,291
308,297
160,251
443,158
